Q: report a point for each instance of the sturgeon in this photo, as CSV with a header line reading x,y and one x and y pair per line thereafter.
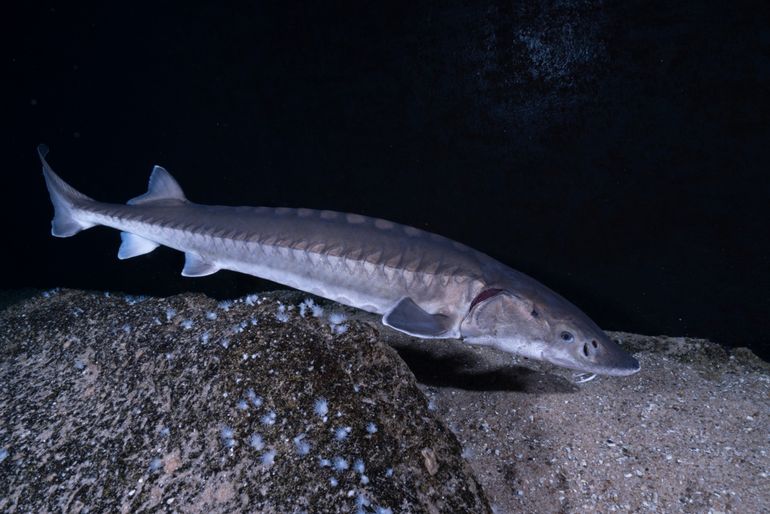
x,y
422,284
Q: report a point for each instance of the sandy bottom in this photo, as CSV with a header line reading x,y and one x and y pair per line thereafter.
x,y
689,433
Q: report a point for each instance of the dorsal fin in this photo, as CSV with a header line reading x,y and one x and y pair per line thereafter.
x,y
162,188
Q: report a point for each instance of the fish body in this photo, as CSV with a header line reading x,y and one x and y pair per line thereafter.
x,y
422,284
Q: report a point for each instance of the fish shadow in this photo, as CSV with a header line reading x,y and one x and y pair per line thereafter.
x,y
467,370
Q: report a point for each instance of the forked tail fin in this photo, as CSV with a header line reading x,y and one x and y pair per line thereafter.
x,y
65,200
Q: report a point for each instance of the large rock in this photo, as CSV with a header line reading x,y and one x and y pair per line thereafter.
x,y
121,404
117,404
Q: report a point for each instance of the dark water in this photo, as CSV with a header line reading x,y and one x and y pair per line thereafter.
x,y
617,152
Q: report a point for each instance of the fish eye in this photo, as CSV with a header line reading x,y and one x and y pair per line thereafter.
x,y
567,337
534,313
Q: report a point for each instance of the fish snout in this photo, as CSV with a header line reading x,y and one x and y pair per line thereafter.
x,y
608,355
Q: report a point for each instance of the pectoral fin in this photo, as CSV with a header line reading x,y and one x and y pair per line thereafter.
x,y
410,318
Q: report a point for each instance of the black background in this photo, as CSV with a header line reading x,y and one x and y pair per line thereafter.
x,y
617,152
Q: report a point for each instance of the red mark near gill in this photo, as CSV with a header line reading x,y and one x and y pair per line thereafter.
x,y
484,295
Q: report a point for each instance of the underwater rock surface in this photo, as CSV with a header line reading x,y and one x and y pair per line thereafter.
x,y
274,403
122,404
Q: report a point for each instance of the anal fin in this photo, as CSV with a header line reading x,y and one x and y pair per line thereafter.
x,y
196,266
410,318
133,245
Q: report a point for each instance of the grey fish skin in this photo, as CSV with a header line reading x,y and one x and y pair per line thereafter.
x,y
422,284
